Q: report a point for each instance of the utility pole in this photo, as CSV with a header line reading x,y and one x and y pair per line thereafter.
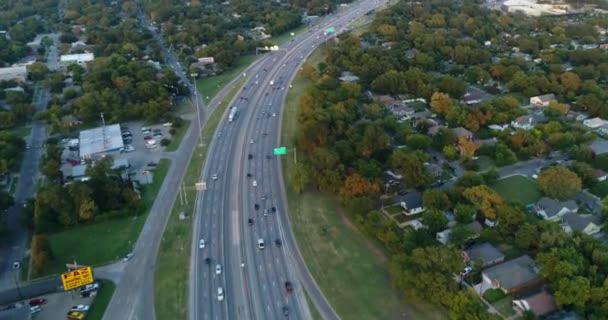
x,y
198,112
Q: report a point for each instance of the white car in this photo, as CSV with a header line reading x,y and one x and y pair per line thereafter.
x,y
167,124
220,294
81,308
128,256
201,244
254,183
214,177
144,129
218,269
251,141
466,271
274,114
35,309
129,148
261,243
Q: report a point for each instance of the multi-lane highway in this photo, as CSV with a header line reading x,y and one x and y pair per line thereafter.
x,y
244,201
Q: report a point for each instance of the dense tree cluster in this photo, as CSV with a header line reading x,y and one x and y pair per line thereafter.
x,y
434,50
106,194
23,20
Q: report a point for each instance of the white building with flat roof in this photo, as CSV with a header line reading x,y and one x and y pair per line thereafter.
x,y
76,58
100,140
18,73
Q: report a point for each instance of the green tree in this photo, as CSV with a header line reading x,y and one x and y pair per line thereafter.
x,y
298,177
411,166
435,199
559,182
435,220
38,71
573,291
464,213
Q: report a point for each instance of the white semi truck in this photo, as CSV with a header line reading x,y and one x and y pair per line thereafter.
x,y
232,114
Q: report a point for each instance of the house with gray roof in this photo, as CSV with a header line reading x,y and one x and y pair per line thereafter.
x,y
513,276
553,210
485,252
588,224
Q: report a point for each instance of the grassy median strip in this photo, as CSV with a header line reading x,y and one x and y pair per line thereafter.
x,y
172,268
210,86
102,300
353,278
102,242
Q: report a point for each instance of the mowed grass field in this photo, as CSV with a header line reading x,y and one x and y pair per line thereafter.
x,y
98,243
518,189
353,278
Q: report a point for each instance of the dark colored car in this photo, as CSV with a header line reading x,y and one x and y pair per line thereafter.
x,y
37,302
273,209
248,175
250,156
250,221
268,157
288,286
256,206
286,311
147,138
207,261
152,164
278,242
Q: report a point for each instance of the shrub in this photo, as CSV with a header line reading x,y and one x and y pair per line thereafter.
x,y
165,142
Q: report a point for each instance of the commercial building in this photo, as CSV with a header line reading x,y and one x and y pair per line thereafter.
x,y
80,58
18,73
100,140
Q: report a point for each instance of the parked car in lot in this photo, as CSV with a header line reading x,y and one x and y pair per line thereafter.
x,y
152,164
35,309
73,162
158,134
157,130
148,138
81,308
89,287
76,315
167,124
38,302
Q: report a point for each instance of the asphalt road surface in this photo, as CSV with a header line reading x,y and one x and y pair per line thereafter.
x,y
244,201
13,247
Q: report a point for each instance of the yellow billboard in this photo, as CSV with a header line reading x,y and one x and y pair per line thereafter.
x,y
77,278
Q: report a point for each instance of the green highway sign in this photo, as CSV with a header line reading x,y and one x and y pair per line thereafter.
x,y
280,151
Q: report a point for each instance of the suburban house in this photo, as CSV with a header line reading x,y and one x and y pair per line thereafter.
x,y
444,236
348,76
600,175
412,203
18,73
474,96
484,252
388,101
434,130
588,224
542,101
594,123
498,127
523,122
513,276
462,132
539,304
206,67
551,209
401,111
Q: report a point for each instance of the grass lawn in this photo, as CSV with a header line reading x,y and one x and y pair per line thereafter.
x,y
102,300
210,86
98,243
518,189
493,295
286,36
23,131
176,139
600,189
335,254
484,163
394,209
173,262
504,306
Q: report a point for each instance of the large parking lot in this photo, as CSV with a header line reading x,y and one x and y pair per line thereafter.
x,y
54,306
141,149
